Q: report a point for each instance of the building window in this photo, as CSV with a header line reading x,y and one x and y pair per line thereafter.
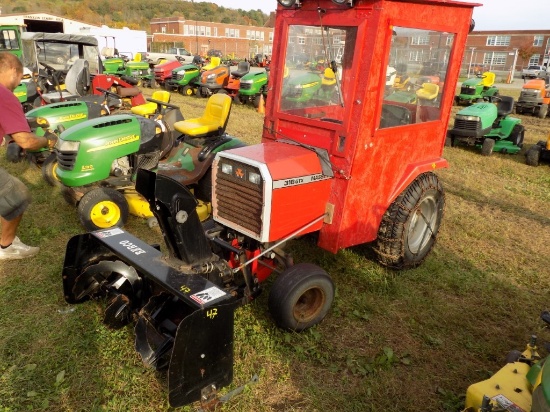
x,y
449,41
495,59
271,37
534,60
163,29
208,31
498,40
420,40
537,42
301,40
415,56
215,32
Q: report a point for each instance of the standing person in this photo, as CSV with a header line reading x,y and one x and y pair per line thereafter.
x,y
14,195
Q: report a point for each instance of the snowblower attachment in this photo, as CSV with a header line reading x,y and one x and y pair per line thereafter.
x,y
184,317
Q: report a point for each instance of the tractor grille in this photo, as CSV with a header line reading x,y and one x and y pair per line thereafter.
x,y
239,200
468,90
246,86
65,160
470,125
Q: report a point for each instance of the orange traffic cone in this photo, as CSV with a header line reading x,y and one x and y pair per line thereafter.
x,y
261,106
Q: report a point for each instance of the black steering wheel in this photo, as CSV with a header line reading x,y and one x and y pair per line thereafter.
x,y
172,106
108,92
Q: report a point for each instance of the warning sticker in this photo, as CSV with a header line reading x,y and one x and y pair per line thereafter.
x,y
506,403
208,295
108,233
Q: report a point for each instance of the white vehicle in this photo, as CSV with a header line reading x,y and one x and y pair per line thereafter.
x,y
174,53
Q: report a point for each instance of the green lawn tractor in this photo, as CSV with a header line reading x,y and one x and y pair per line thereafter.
x,y
133,71
477,89
253,86
97,160
488,126
523,384
185,80
538,152
310,88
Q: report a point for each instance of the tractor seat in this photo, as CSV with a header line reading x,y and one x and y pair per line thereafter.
x,y
77,83
505,106
429,91
213,121
488,79
242,69
150,108
329,77
214,62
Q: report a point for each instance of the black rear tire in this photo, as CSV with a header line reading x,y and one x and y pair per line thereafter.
x,y
517,135
300,297
409,227
543,111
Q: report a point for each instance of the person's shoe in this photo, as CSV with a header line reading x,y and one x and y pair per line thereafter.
x,y
18,250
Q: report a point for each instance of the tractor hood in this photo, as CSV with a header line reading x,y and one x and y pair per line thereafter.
x,y
483,110
472,82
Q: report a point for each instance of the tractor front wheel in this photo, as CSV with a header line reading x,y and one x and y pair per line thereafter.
x,y
532,157
517,135
187,91
543,111
409,228
49,170
103,208
487,147
301,297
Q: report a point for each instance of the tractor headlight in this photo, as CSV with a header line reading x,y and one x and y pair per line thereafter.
x,y
247,81
254,178
211,77
467,118
227,168
67,146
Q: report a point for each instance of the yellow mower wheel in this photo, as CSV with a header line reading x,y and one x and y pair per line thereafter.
x,y
103,208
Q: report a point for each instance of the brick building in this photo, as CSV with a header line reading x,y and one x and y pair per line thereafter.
x,y
506,50
201,36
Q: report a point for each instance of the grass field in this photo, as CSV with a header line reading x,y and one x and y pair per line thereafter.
x,y
393,341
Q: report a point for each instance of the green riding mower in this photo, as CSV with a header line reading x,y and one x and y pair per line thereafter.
x,y
135,72
538,152
308,88
488,126
477,89
185,79
97,160
253,86
523,384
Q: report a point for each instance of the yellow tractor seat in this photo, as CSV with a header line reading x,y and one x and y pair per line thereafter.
x,y
213,121
150,108
488,79
429,91
137,57
329,77
214,62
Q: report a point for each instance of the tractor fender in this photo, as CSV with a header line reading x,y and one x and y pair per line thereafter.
x,y
412,171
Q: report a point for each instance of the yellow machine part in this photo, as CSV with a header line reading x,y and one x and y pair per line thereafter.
x,y
138,206
508,387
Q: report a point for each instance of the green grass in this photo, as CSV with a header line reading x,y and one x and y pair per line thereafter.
x,y
393,341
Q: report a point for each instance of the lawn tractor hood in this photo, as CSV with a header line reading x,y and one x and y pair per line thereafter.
x,y
476,120
184,316
272,190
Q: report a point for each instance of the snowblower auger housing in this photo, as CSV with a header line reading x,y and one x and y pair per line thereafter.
x,y
184,321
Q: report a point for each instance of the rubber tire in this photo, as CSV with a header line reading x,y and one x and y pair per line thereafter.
x,y
187,90
401,242
532,157
517,135
14,152
88,206
298,286
48,170
257,100
513,356
543,111
487,147
222,91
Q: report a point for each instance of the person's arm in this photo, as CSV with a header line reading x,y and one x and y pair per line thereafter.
x,y
30,141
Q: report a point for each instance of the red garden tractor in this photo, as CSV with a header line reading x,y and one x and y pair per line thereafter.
x,y
349,170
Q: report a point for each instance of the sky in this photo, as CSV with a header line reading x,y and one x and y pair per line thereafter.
x,y
493,15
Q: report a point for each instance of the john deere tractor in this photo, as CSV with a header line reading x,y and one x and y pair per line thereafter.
x,y
476,89
488,126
